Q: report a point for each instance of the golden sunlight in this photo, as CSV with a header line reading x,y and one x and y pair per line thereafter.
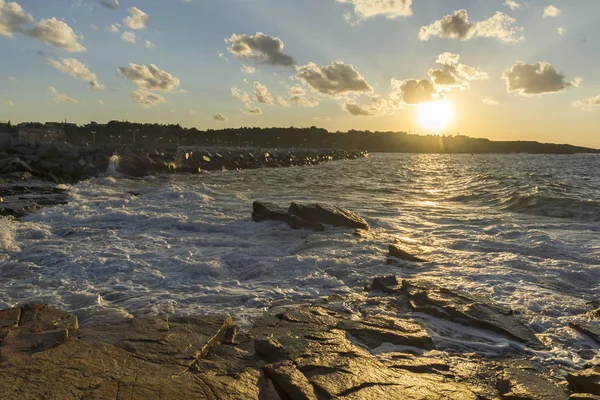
x,y
436,116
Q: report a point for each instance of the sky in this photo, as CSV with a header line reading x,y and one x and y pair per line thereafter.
x,y
503,70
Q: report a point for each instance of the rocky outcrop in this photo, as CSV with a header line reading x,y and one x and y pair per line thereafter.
x,y
20,195
586,381
521,382
314,216
397,252
589,328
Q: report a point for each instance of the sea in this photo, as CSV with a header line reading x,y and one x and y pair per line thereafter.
x,y
520,230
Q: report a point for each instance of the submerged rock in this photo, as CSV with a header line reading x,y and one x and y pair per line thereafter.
x,y
397,252
262,211
386,284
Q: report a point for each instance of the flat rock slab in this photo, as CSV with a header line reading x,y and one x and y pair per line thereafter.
x,y
518,383
466,310
591,329
585,381
376,331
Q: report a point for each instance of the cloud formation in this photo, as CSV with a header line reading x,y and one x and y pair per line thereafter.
x,y
512,4
61,97
259,48
458,26
248,69
137,19
261,94
357,110
453,74
413,92
252,111
297,97
589,105
9,103
490,101
220,117
146,98
536,79
552,12
335,79
113,5
129,37
12,17
371,8
77,70
244,97
150,77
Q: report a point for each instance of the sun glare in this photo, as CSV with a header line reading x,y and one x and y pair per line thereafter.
x,y
436,116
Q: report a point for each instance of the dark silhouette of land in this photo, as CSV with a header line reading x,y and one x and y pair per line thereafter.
x,y
117,132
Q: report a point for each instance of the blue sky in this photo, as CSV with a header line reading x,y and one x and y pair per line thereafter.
x,y
536,64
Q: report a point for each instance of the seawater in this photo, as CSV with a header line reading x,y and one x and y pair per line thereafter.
x,y
521,230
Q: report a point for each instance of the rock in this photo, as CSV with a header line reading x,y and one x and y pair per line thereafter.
x,y
584,396
376,331
517,383
90,170
289,382
22,149
395,251
5,141
262,211
591,329
386,284
422,365
328,215
47,165
17,165
269,349
297,222
470,311
48,150
585,381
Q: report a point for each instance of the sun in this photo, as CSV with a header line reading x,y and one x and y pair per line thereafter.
x,y
436,116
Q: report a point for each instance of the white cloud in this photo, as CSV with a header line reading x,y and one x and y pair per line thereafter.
x,y
149,44
589,105
219,117
12,17
150,77
490,101
77,70
453,74
113,5
252,111
536,79
244,97
297,97
512,4
146,98
113,29
129,37
551,12
261,94
458,26
561,30
335,79
94,27
371,8
9,103
248,69
61,97
100,102
137,19
260,48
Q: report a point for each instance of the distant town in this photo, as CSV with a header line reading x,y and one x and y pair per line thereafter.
x,y
123,133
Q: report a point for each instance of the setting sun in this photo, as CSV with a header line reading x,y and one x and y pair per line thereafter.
x,y
436,116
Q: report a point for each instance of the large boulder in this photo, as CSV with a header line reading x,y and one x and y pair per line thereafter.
x,y
48,150
5,141
328,215
586,381
262,210
22,149
526,384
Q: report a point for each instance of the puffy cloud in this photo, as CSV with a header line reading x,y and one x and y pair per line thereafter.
x,y
248,69
259,48
77,70
458,26
61,97
297,97
252,111
129,37
490,101
379,106
146,98
561,30
137,19
220,118
9,103
512,4
244,97
412,91
589,105
113,5
335,79
357,110
551,11
12,17
453,74
261,94
372,8
150,77
536,79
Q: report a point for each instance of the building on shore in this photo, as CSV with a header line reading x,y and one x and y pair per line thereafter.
x,y
39,135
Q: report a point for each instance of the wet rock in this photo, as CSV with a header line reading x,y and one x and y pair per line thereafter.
x,y
262,211
395,251
22,149
586,381
584,396
376,331
519,383
591,329
470,311
48,150
386,284
328,215
297,222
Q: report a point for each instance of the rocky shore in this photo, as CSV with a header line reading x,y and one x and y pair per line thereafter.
x,y
30,173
